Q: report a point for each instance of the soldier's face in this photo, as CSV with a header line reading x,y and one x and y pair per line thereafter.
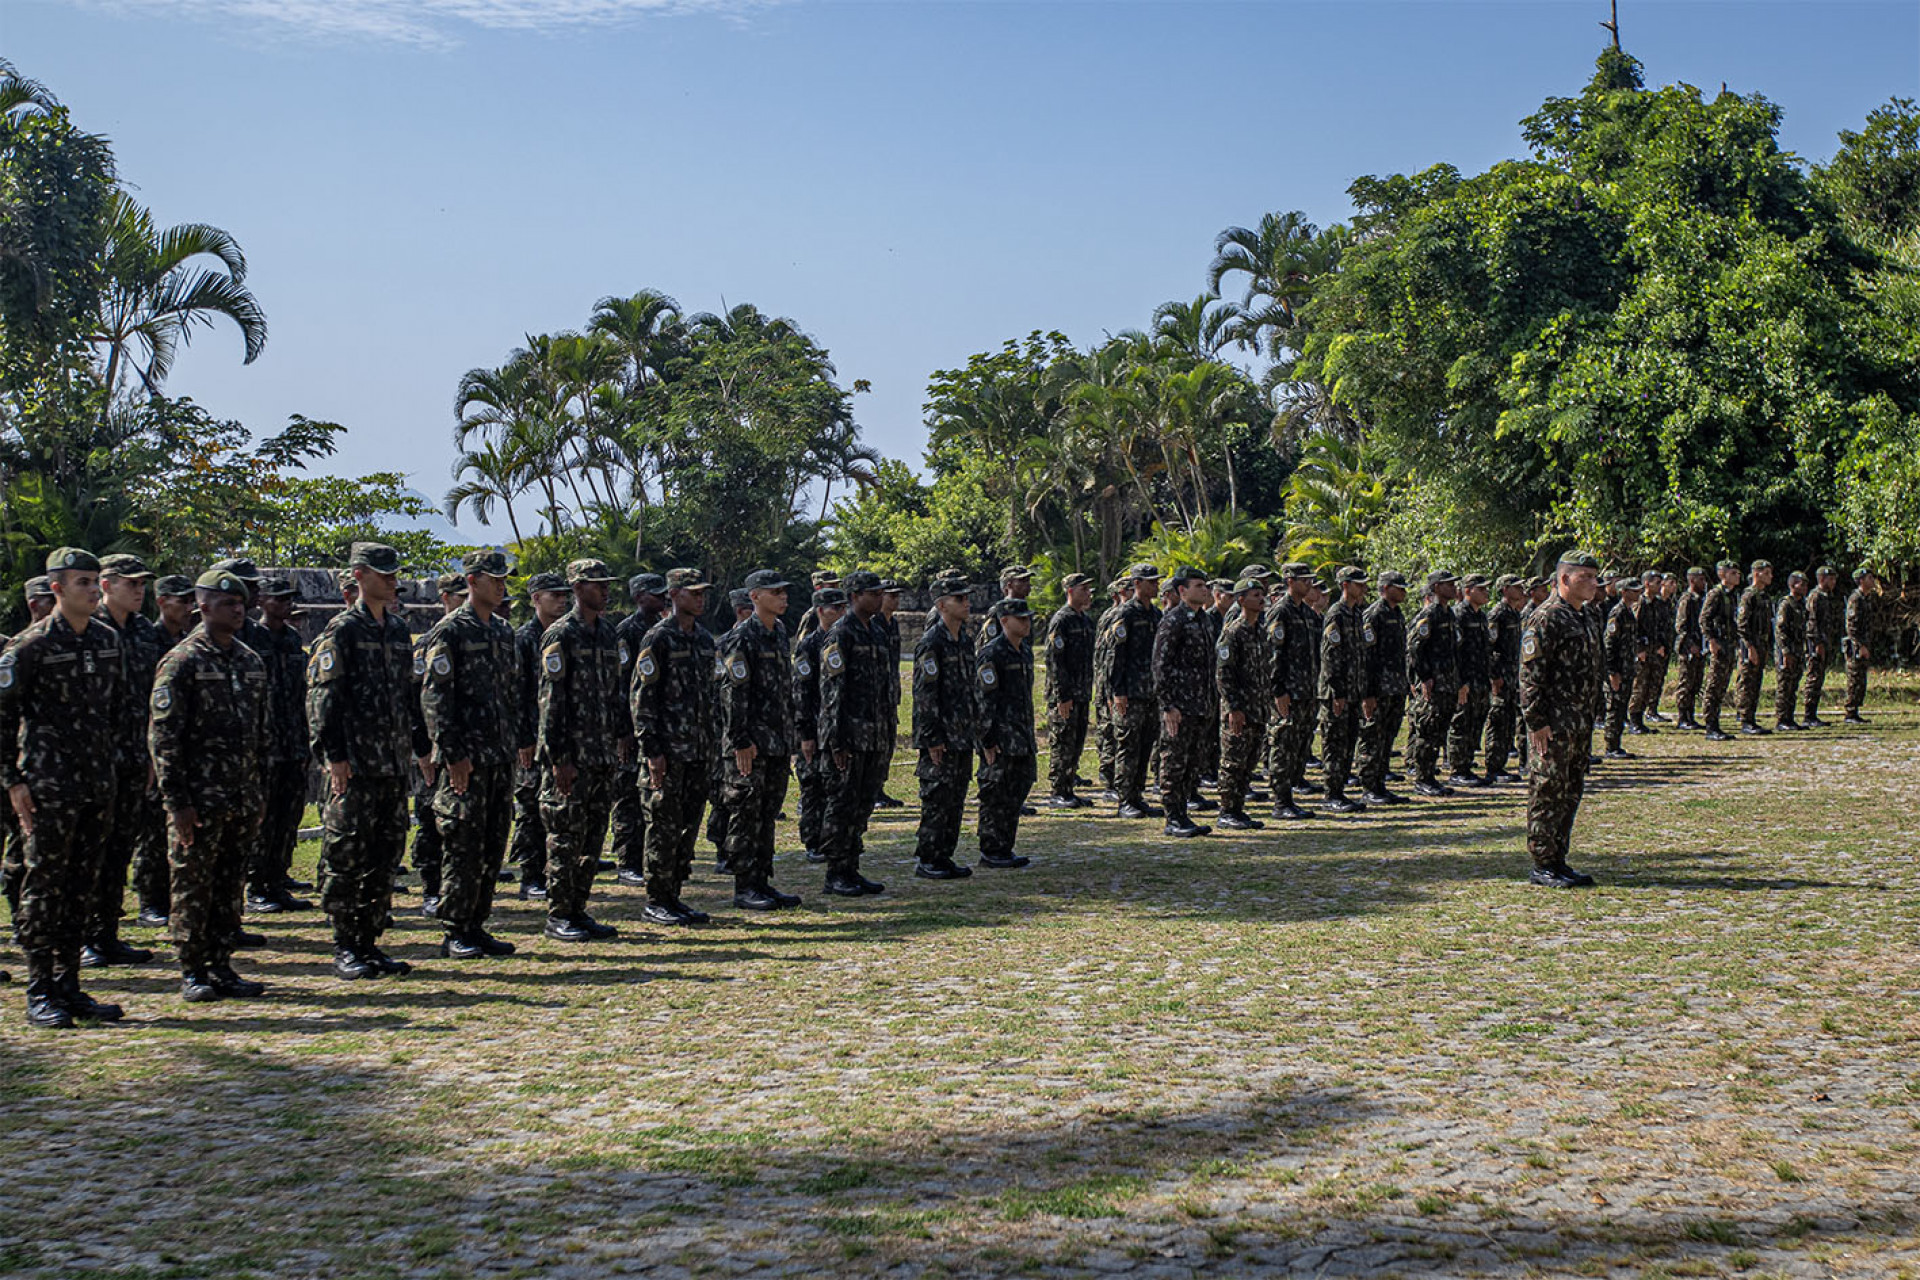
x,y
830,614
549,605
1080,597
272,608
376,587
124,594
1395,595
954,609
1445,592
486,591
1478,595
889,603
1798,588
1195,593
690,604
222,612
1016,628
1827,581
451,600
177,611
1579,586
39,607
590,597
1221,598
769,600
1730,578
76,590
1253,602
1763,579
1146,589
1017,588
1353,592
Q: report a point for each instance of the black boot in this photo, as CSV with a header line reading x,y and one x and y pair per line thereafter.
x,y
44,1006
79,1003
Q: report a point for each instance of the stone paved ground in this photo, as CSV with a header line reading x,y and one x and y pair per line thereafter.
x,y
1360,1048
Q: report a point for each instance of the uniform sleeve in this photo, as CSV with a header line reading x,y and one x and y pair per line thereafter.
x,y
1533,675
833,672
928,727
439,709
15,673
987,693
167,729
646,697
417,734
327,708
556,740
1055,680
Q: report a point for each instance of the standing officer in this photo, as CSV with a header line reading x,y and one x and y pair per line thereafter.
x,y
1293,646
1016,583
741,605
63,690
1243,681
757,733
889,625
1690,644
812,767
1135,717
174,597
208,740
1822,614
285,755
123,593
648,591
1855,645
1435,689
1003,725
1790,648
1620,656
358,711
1556,661
1473,659
451,589
1383,630
1503,675
470,702
1343,686
823,580
673,720
943,729
550,597
1070,645
1717,629
586,735
1753,621
1183,659
1655,639
1106,733
853,728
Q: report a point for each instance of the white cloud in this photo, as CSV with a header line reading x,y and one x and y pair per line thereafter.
x,y
422,22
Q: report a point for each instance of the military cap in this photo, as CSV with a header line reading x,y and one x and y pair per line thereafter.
x,y
1392,578
70,558
1826,571
177,584
1220,584
829,598
1013,607
225,581
1796,576
1864,572
451,584
739,599
123,565
274,586
646,584
1247,584
766,580
1506,580
1143,573
1073,580
1256,571
1694,570
1185,573
889,587
687,580
1580,560
824,577
377,556
1725,565
1439,576
1013,571
949,584
587,570
1297,570
1350,573
492,563
548,582
1475,580
39,588
1631,583
1758,565
244,569
860,580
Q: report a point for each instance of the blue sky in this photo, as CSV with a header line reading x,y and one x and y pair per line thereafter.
x,y
419,183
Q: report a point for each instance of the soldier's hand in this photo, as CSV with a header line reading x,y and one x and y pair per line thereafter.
x,y
427,769
1866,655
1120,704
1284,705
938,755
657,772
840,761
1237,721
1369,707
625,750
808,750
1497,686
22,800
1339,706
1426,690
1461,701
339,773
563,775
1540,738
458,775
743,758
1613,681
185,821
526,757
1170,722
1065,709
993,753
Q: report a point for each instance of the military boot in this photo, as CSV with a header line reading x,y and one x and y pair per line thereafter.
x,y
78,1002
44,1007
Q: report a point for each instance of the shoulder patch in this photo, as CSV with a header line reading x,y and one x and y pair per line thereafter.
x,y
719,666
831,654
1119,631
737,668
1223,650
930,665
1366,633
624,655
1333,635
1530,644
555,660
804,667
1421,630
419,663
649,669
1059,642
988,676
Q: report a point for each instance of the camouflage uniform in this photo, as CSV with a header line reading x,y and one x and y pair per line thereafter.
x,y
1383,629
1820,646
1070,659
756,710
1790,653
529,847
1343,682
854,710
814,775
584,722
1210,762
1556,677
1431,657
286,761
943,716
209,737
1717,627
628,824
1654,627
132,809
1131,677
1106,731
1003,722
1619,658
1856,645
1753,622
1295,654
1243,679
1473,660
1183,659
1503,664
673,719
1690,646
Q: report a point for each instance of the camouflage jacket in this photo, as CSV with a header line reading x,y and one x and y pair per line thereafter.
x,y
1070,644
630,633
167,640
1819,621
1859,622
1716,616
1343,654
526,703
1383,629
1652,624
1243,668
1431,648
1687,638
1292,640
1503,650
1003,716
943,679
209,734
140,651
1131,669
1790,628
62,710
855,708
360,693
286,660
583,708
1473,640
1621,646
1183,661
470,691
756,698
806,686
1754,621
889,626
1557,669
673,692
1104,648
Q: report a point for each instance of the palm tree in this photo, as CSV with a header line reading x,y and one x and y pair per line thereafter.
x,y
1333,501
495,472
20,96
155,295
1195,330
511,409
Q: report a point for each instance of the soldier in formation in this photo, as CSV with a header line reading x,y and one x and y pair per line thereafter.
x,y
1243,686
1071,640
943,729
1004,732
1557,658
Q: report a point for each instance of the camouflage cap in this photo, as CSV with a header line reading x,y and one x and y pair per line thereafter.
x,y
123,565
451,584
377,556
824,578
1758,565
225,581
949,584
1184,574
1580,560
175,584
1220,584
1506,580
588,570
860,580
492,563
1144,573
1439,576
548,581
1630,583
1350,573
889,587
276,586
646,584
738,598
1864,572
687,580
1014,571
1073,580
40,588
766,580
1796,576
1296,570
1257,571
1724,565
1826,571
1475,580
829,598
1392,578
1696,571
1013,607
71,558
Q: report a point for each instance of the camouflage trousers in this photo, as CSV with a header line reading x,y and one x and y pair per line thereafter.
x,y
1287,749
1376,741
716,806
1340,729
1719,674
428,849
130,814
1649,676
59,872
1747,689
1185,755
272,856
208,878
1309,725
753,801
1429,720
851,793
943,801
1856,685
1503,718
152,876
1556,779
1813,686
364,834
1135,735
473,834
1210,764
1618,700
673,812
13,851
813,797
1106,738
628,825
1066,739
529,849
576,833
1464,729
1686,693
1239,754
1789,685
1004,786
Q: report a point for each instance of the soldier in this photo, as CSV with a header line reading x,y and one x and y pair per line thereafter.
x,y
812,767
1690,645
550,597
1434,690
1556,657
358,696
1383,630
123,593
673,696
470,702
1753,621
284,756
40,598
1655,637
1503,675
1243,683
1539,590
1292,648
427,847
889,625
1473,660
943,729
741,602
648,591
1821,633
209,739
1016,583
174,599
1620,656
585,736
174,596
1316,620
854,706
1716,628
742,608
823,580
63,689
1183,661
1106,732
757,733
1069,690
1789,649
1215,616
1003,728
1343,685
1855,645
1130,685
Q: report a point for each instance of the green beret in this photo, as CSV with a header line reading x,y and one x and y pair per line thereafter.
x,y
1725,565
71,558
224,581
1247,584
1758,565
1826,571
1696,571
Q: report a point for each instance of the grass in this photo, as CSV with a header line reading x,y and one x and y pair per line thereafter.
x,y
1225,1056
